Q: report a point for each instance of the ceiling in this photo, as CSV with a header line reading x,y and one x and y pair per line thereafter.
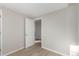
x,y
34,10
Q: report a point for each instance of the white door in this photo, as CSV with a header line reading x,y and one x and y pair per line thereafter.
x,y
29,32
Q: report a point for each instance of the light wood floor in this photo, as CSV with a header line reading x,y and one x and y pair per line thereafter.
x,y
34,50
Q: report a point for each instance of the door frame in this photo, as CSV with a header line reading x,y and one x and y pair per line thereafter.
x,y
34,31
25,40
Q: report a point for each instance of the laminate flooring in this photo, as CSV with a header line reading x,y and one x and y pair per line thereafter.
x,y
34,50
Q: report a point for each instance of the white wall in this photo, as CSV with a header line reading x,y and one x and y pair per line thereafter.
x,y
59,30
13,31
0,32
77,5
38,29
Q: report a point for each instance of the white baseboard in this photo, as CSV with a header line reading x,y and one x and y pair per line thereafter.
x,y
13,51
37,41
54,51
30,45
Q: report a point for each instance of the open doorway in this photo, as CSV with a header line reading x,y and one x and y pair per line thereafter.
x,y
38,32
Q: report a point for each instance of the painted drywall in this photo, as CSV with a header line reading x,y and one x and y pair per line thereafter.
x,y
12,31
38,29
59,30
29,32
77,5
0,33
34,10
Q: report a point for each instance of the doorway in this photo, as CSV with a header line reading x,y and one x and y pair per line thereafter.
x,y
38,32
32,32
